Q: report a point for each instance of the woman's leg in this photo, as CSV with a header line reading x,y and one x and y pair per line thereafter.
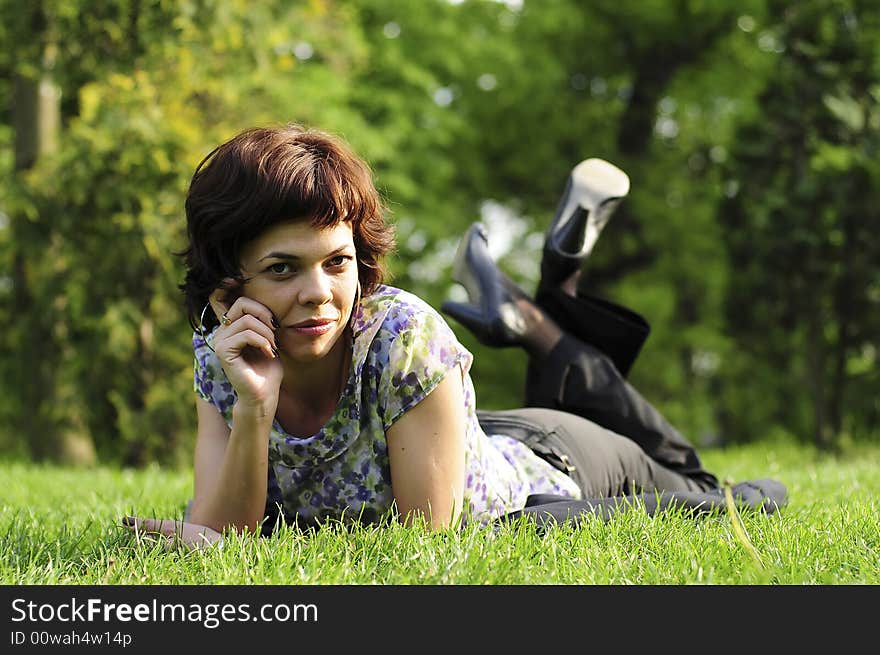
x,y
567,373
603,463
579,379
617,331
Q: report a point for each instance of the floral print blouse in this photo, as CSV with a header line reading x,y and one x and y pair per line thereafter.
x,y
402,349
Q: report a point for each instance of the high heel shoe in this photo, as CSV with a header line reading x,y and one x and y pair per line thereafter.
x,y
492,314
592,193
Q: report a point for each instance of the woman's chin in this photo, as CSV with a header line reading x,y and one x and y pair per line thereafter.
x,y
307,349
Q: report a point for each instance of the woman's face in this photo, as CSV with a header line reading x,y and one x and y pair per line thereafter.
x,y
308,278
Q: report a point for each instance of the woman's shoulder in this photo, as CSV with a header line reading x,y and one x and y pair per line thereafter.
x,y
395,324
388,295
395,310
406,352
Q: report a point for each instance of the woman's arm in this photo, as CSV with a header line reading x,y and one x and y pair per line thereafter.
x,y
231,469
231,466
426,451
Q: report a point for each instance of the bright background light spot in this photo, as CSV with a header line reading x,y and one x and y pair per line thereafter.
x,y
487,81
444,96
303,50
746,23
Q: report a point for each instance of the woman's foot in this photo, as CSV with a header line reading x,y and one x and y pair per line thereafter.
x,y
592,193
499,313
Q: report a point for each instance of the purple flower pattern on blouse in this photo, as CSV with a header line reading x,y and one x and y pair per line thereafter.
x,y
402,349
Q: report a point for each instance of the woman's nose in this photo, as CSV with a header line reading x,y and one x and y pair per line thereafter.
x,y
316,289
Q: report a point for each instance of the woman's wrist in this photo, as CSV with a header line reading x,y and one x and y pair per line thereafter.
x,y
260,413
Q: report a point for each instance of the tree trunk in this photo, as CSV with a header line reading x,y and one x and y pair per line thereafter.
x,y
816,380
36,121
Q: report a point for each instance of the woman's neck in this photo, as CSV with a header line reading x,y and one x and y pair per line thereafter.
x,y
321,383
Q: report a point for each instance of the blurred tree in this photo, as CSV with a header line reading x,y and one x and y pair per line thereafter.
x,y
801,228
534,90
35,100
466,110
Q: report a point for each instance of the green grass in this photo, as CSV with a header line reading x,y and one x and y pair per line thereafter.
x,y
61,526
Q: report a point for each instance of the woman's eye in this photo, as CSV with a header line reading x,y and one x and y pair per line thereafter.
x,y
280,268
339,260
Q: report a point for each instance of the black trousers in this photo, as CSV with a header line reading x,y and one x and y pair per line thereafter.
x,y
585,418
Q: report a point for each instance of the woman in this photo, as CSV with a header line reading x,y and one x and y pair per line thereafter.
x,y
324,394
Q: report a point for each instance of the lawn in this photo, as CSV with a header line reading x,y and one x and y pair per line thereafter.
x,y
61,526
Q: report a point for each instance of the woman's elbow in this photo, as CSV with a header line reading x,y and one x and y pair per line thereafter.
x,y
250,523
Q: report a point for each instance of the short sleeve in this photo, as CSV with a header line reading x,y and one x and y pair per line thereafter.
x,y
422,352
209,380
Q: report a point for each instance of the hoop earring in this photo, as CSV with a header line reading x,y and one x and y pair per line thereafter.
x,y
354,308
202,327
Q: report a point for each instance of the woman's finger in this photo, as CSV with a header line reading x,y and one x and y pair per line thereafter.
x,y
244,306
163,527
174,533
224,296
235,343
252,323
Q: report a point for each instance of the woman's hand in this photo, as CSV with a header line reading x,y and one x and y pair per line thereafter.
x,y
173,533
245,344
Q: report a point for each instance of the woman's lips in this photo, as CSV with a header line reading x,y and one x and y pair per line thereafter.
x,y
313,328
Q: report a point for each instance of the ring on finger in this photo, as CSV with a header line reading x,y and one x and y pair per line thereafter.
x,y
225,319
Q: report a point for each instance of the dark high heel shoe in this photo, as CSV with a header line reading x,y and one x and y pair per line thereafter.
x,y
492,314
592,193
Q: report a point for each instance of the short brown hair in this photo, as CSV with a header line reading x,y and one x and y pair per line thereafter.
x,y
264,176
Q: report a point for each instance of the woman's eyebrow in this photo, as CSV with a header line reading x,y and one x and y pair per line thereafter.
x,y
285,256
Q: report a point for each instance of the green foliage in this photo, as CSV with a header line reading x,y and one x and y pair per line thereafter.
x,y
464,110
800,228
